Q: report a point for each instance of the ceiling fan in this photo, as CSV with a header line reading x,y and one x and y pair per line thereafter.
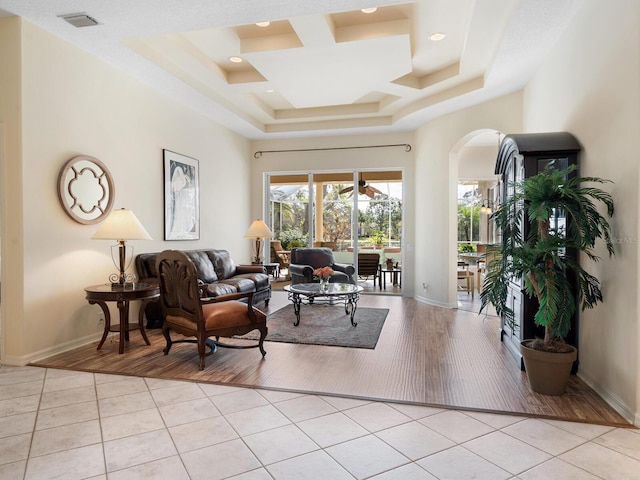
x,y
363,189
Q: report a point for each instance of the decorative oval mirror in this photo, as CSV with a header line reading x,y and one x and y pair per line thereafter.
x,y
85,189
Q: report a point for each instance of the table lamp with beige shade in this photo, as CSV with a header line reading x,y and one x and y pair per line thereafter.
x,y
258,231
121,225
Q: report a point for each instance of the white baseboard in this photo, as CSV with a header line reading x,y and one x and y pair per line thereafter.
x,y
612,399
434,303
20,361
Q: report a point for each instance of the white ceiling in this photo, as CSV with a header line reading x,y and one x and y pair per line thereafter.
x,y
319,68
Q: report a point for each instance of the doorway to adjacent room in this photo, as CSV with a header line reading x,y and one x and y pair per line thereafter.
x,y
477,197
350,212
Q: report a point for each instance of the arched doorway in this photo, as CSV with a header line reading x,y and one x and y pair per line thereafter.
x,y
473,157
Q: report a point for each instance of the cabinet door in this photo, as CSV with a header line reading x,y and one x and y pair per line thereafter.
x,y
515,304
511,336
517,315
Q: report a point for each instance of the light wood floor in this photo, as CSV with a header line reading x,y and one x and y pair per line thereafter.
x,y
425,355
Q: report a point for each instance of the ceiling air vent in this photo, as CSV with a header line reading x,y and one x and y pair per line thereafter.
x,y
79,20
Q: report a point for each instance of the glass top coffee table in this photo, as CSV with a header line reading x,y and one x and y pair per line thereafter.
x,y
334,291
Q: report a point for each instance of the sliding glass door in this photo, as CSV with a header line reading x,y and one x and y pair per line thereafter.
x,y
345,211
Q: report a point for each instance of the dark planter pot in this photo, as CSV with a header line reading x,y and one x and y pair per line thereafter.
x,y
548,372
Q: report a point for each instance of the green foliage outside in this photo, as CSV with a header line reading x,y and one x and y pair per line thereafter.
x,y
468,223
381,217
336,216
466,248
378,238
290,218
292,238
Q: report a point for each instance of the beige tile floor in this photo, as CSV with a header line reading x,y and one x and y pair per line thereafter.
x,y
74,425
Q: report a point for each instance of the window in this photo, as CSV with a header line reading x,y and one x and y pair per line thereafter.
x,y
308,209
469,203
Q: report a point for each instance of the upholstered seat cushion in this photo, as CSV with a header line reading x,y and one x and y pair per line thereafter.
x,y
228,314
259,280
241,285
220,288
221,315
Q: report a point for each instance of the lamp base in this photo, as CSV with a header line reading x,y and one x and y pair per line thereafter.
x,y
125,286
122,280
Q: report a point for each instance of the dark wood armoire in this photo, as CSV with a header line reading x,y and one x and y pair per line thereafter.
x,y
521,156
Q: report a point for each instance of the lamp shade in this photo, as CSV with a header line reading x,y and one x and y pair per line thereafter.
x,y
258,229
121,224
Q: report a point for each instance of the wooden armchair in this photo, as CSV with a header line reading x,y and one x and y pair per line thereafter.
x,y
467,276
188,312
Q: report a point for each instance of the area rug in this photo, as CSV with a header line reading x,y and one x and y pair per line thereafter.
x,y
325,325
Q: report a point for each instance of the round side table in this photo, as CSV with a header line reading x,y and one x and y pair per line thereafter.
x,y
122,295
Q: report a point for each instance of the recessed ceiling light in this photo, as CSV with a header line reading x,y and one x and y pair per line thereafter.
x,y
369,10
263,24
436,37
235,59
270,91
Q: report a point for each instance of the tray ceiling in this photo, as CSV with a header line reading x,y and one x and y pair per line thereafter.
x,y
316,69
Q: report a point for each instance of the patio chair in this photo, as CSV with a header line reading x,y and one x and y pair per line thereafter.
x,y
369,266
187,312
279,255
468,276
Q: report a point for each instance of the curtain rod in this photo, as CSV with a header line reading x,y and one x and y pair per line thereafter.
x,y
259,153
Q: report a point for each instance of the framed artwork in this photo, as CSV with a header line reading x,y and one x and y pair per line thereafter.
x,y
181,197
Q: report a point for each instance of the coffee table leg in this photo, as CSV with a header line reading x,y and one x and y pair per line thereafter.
x,y
350,306
297,301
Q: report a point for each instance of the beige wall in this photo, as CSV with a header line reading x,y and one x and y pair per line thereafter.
x,y
74,104
11,177
478,163
437,148
589,86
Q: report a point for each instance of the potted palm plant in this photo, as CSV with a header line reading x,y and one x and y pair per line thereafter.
x,y
541,260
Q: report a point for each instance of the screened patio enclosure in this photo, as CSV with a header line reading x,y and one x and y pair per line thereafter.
x,y
349,212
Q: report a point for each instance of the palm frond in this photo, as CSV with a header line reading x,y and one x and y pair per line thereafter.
x,y
541,260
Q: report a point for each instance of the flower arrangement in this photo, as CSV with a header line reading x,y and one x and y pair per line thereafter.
x,y
323,273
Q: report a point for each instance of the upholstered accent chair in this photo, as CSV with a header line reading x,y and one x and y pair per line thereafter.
x,y
305,260
188,310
